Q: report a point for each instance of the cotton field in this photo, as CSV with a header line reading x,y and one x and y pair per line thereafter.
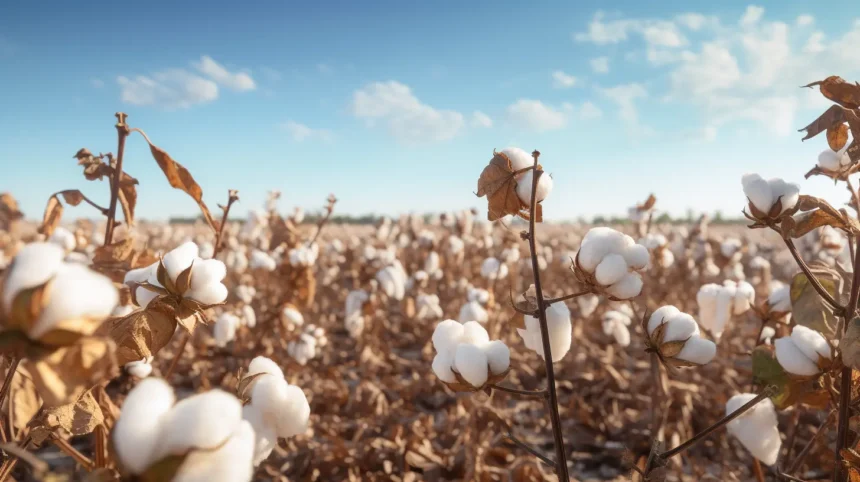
x,y
485,344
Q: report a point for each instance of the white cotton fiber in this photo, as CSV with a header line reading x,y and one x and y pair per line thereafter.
x,y
442,363
811,343
524,187
757,429
136,433
661,315
758,191
629,287
792,359
611,270
472,364
262,364
498,356
475,333
191,424
231,462
698,350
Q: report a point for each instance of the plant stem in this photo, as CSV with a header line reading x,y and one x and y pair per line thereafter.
x,y
719,424
7,383
561,460
185,337
759,475
571,296
822,429
543,394
72,452
122,133
812,278
528,448
839,474
329,209
219,237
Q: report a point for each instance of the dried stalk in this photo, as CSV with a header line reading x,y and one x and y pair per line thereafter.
x,y
839,473
122,133
7,383
558,437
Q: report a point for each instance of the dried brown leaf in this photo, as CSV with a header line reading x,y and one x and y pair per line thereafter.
x,y
838,90
837,136
179,178
498,183
80,417
52,216
64,375
833,116
143,333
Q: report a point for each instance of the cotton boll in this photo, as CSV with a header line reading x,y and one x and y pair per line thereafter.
x,y
474,333
63,238
587,304
524,187
249,317
180,258
792,359
473,311
630,286
262,260
757,429
207,250
442,364
611,270
206,286
637,256
829,160
780,298
136,433
811,343
190,422
498,356
34,265
141,368
697,350
787,193
231,462
447,335
262,364
707,301
597,243
680,327
559,329
472,364
224,330
767,334
519,158
744,297
758,191
265,438
292,315
661,315
615,324
76,293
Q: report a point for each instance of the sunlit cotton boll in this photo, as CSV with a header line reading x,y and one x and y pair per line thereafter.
x,y
473,311
519,158
392,280
467,349
756,429
245,293
249,316
205,286
151,428
428,307
779,299
558,327
207,250
455,245
63,238
304,255
614,259
830,160
718,303
524,187
493,269
477,294
615,324
262,260
291,316
800,353
681,326
225,328
141,368
763,194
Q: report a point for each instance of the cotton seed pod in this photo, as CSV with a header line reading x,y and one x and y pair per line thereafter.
x,y
466,359
558,326
769,199
676,338
609,262
718,303
524,187
804,353
756,429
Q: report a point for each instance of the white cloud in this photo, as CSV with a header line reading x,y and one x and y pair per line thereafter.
x,y
561,80
805,20
602,33
600,65
535,115
97,83
589,111
408,119
776,113
239,81
712,69
625,97
767,53
815,43
479,119
751,16
693,21
663,34
299,132
170,89
708,134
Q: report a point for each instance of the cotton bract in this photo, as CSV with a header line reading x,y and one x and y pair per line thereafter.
x,y
465,348
152,428
558,327
804,352
612,261
757,428
667,326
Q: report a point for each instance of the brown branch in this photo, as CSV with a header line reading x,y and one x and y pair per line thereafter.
x,y
185,337
839,473
558,436
329,209
542,394
122,133
528,448
7,383
233,196
571,296
72,452
822,429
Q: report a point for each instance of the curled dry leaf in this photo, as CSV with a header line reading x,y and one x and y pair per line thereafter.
x,y
499,184
142,333
80,417
25,400
834,116
54,209
66,373
179,178
116,259
837,136
648,204
838,90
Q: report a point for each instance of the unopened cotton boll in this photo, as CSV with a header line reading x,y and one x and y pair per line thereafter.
x,y
559,329
756,429
524,187
801,353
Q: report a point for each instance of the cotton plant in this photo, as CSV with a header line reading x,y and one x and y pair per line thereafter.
x,y
304,255
261,260
719,303
307,346
610,263
804,353
676,339
466,359
428,308
770,199
158,438
492,269
245,293
756,429
274,408
834,162
49,313
615,324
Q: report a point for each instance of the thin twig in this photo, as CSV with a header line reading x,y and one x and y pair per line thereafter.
x,y
812,278
571,296
122,133
87,200
822,429
7,383
329,209
543,394
528,448
719,424
185,337
233,196
759,475
72,452
558,437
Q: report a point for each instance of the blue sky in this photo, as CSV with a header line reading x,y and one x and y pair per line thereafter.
x,y
397,106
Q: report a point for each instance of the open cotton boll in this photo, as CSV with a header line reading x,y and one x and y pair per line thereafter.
x,y
744,297
141,368
447,335
245,293
519,158
224,330
787,193
615,324
611,270
524,187
63,238
206,286
34,265
472,364
636,256
474,333
587,304
758,191
698,350
76,292
558,327
757,429
629,287
231,462
473,311
492,268
829,160
730,246
180,258
262,260
442,363
660,316
292,315
189,423
811,343
599,242
248,316
793,359
767,334
281,404
136,432
207,250
780,298
498,356
392,282
262,364
265,438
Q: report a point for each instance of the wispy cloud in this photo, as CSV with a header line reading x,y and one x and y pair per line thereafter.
x,y
238,81
536,116
562,80
479,119
300,132
600,65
